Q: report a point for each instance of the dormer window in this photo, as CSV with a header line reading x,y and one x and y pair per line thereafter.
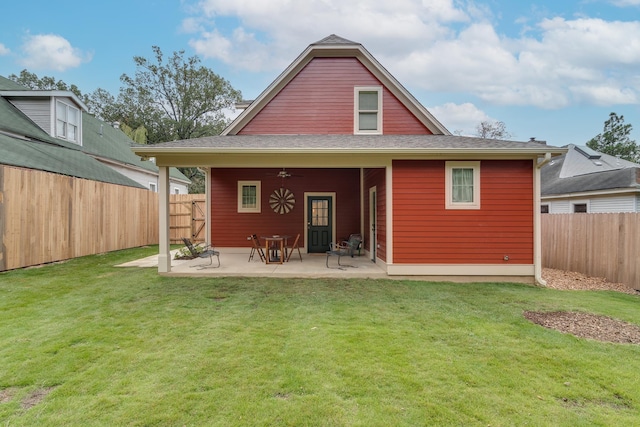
x,y
368,110
67,122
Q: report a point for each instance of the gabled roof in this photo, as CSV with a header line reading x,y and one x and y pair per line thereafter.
x,y
105,142
344,144
56,159
24,144
583,170
335,46
11,89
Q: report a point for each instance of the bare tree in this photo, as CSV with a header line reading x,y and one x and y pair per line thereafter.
x,y
492,130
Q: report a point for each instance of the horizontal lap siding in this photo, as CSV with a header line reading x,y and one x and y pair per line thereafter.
x,y
320,100
230,228
425,232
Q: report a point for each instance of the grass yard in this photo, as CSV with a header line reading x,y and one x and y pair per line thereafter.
x,y
83,343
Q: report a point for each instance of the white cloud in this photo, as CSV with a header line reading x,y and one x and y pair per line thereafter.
x,y
625,3
436,45
460,119
4,50
51,51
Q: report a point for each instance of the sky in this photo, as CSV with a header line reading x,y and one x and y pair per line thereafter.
x,y
549,69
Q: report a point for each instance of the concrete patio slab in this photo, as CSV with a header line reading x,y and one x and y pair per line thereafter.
x,y
235,263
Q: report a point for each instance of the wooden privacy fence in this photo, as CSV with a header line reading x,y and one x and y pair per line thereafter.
x,y
46,217
601,245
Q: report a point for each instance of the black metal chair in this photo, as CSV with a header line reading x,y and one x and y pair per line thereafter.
x,y
202,252
344,248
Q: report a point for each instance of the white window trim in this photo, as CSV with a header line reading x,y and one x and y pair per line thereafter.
x,y
448,180
356,110
56,132
153,187
258,208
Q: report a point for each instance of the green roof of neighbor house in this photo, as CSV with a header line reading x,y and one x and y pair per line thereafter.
x,y
8,84
102,140
52,158
25,144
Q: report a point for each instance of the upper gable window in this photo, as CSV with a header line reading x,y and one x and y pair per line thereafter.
x,y
368,110
67,122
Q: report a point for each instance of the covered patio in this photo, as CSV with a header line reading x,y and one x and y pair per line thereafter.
x,y
234,263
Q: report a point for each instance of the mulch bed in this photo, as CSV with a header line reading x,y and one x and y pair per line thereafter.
x,y
586,325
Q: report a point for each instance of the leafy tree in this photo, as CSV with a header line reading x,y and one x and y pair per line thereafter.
x,y
615,139
32,81
138,135
492,130
176,99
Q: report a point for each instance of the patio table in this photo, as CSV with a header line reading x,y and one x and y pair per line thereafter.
x,y
275,248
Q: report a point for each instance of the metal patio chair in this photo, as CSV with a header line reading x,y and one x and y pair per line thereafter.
x,y
202,252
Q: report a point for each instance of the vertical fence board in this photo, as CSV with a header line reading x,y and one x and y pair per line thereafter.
x,y
602,245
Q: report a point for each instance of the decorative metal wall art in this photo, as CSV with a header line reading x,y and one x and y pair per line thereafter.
x,y
282,201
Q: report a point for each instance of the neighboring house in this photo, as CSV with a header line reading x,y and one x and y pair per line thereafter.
x,y
336,145
51,131
584,180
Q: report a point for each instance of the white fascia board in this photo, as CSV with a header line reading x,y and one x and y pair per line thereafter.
x,y
584,194
44,94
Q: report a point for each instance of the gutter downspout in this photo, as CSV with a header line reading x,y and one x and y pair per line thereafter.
x,y
537,221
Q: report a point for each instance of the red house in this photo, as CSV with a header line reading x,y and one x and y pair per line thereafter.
x,y
335,145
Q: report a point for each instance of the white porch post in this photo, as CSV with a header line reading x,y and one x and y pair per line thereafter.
x,y
207,206
164,255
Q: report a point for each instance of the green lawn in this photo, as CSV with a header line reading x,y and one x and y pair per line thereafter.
x,y
83,343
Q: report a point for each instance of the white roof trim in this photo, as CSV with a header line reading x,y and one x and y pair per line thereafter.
x,y
44,94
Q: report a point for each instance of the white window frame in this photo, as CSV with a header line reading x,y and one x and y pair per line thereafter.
x,y
62,131
449,167
153,187
245,209
357,111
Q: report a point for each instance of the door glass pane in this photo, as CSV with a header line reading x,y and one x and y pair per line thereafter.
x,y
320,213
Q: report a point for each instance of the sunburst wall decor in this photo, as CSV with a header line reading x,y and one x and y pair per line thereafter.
x,y
282,201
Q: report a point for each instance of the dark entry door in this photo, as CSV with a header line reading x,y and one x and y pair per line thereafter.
x,y
319,223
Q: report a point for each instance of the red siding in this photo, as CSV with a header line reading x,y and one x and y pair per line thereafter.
x,y
320,100
376,177
425,232
230,228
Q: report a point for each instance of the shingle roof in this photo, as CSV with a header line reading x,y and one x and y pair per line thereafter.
x,y
333,39
374,143
8,84
25,144
575,172
103,140
56,159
